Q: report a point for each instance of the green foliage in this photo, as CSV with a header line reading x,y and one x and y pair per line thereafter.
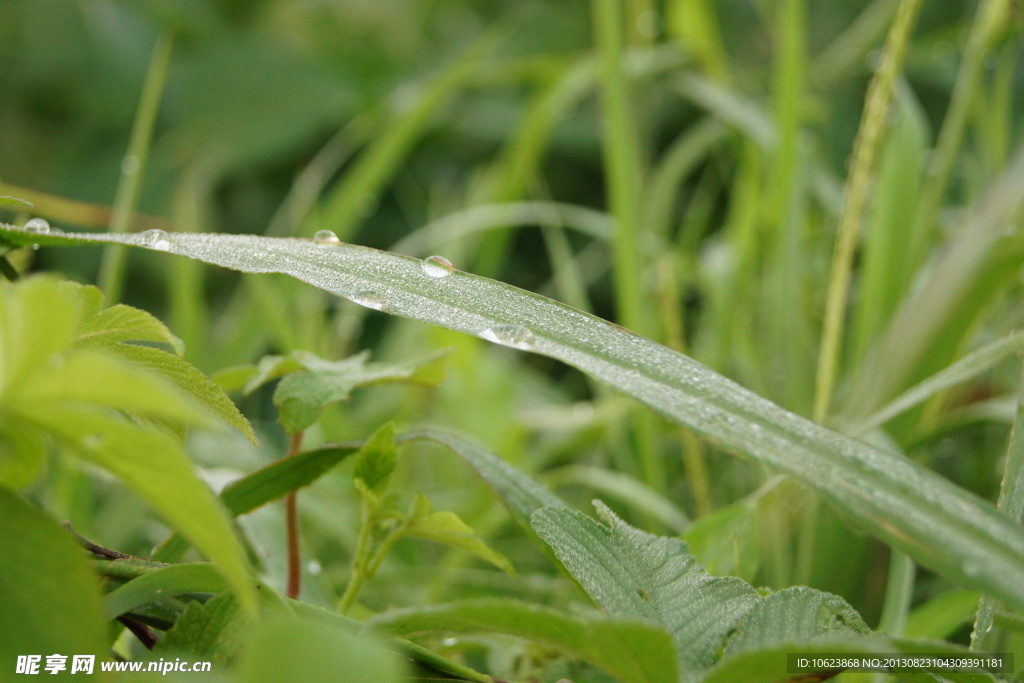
x,y
81,397
634,652
38,556
765,193
310,384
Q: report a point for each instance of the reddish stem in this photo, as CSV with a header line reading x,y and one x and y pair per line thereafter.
x,y
291,516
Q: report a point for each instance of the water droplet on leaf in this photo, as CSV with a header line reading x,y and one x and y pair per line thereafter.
x,y
326,237
516,336
437,266
369,299
40,226
156,239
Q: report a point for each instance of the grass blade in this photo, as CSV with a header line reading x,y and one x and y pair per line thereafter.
x,y
937,523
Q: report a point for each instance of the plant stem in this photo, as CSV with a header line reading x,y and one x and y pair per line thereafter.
x,y
134,165
291,516
865,152
359,561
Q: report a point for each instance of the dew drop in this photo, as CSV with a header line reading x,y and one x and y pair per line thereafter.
x,y
369,299
156,239
516,336
314,568
437,266
40,226
326,237
450,642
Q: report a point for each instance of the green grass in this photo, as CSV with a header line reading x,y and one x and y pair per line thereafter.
x,y
805,212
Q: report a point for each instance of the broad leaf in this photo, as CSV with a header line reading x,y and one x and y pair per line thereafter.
x,y
50,598
288,649
794,614
937,523
633,652
634,575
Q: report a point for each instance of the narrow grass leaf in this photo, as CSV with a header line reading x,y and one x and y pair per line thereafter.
x,y
940,525
634,575
631,651
176,579
968,367
521,494
943,615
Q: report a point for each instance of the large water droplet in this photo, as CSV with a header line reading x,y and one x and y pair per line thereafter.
x,y
516,336
437,266
40,226
370,300
156,239
326,237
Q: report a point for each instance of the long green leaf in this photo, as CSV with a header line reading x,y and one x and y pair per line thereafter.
x,y
937,523
632,651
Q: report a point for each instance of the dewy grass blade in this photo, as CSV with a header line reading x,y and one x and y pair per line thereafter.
x,y
937,523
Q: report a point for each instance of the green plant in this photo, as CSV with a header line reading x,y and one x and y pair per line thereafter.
x,y
816,201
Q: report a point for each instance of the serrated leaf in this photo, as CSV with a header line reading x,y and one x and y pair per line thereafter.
x,y
176,579
153,464
98,378
213,631
50,597
104,327
447,528
188,378
796,615
942,526
633,652
377,459
635,575
301,396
